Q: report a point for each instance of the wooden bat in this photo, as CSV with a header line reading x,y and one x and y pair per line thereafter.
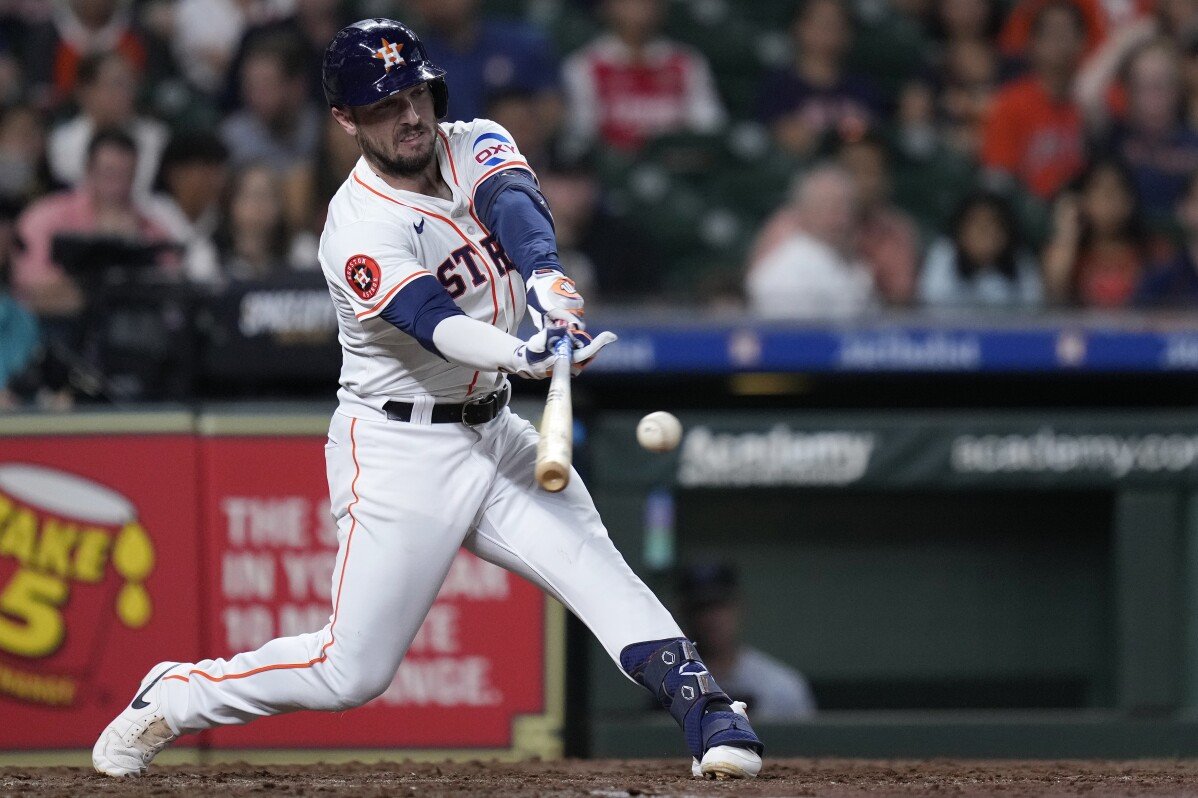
x,y
555,449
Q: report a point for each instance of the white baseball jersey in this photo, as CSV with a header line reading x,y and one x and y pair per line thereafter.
x,y
377,239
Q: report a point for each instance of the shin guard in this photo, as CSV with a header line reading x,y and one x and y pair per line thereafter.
x,y
672,671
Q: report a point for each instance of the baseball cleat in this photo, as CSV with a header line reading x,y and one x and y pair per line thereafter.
x,y
134,738
728,761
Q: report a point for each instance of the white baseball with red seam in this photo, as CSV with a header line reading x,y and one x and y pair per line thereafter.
x,y
659,431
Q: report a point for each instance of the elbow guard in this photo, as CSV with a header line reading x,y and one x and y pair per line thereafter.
x,y
419,308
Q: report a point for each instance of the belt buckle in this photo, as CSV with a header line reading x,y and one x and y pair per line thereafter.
x,y
486,401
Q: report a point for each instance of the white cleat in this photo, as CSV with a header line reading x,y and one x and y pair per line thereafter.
x,y
728,761
135,737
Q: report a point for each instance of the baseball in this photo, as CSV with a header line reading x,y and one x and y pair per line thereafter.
x,y
659,432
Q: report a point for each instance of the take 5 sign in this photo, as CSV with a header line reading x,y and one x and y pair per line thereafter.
x,y
112,559
97,578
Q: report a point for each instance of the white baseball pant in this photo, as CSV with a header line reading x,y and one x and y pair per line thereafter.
x,y
406,496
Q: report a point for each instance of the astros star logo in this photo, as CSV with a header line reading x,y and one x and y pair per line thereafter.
x,y
389,54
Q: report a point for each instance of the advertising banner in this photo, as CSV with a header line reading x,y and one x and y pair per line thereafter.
x,y
939,450
98,561
476,665
121,548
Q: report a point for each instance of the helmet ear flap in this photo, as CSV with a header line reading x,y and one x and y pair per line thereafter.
x,y
440,97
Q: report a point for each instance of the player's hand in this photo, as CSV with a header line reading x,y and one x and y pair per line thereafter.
x,y
549,290
586,347
535,357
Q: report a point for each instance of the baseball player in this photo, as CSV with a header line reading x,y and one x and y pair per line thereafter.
x,y
436,246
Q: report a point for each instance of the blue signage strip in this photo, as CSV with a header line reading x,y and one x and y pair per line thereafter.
x,y
916,348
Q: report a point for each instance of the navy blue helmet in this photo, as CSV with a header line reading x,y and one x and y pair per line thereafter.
x,y
372,59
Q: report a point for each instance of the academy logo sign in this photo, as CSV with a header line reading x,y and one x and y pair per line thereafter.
x,y
1049,451
780,456
73,558
492,149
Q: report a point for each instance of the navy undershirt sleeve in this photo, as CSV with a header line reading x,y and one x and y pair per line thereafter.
x,y
419,307
512,206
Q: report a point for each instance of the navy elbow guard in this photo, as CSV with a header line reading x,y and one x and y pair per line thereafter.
x,y
419,308
672,671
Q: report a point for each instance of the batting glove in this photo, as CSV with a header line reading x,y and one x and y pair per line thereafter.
x,y
550,290
535,357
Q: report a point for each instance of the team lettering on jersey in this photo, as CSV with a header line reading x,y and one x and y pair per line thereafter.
x,y
450,278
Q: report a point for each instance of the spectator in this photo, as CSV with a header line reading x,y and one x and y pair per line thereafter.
x,y
1020,29
711,616
103,204
980,262
253,238
518,112
18,328
1174,282
1098,247
1153,139
308,30
107,91
1034,130
335,159
80,28
888,240
969,69
190,184
11,73
966,21
278,125
631,84
23,170
486,56
207,32
816,270
816,95
969,85
1189,77
604,255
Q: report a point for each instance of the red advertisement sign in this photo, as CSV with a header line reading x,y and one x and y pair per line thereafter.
x,y
118,551
476,665
98,555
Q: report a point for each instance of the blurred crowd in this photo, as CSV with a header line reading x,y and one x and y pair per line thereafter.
x,y
798,158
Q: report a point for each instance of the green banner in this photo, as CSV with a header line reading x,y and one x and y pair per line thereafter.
x,y
909,449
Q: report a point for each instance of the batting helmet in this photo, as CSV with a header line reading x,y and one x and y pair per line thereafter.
x,y
372,59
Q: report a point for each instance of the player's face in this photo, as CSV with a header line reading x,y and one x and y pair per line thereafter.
x,y
397,135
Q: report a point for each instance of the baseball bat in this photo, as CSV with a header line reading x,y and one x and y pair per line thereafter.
x,y
555,449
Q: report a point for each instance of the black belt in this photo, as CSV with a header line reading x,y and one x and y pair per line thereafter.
x,y
480,411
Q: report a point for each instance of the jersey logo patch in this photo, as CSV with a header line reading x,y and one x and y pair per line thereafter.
x,y
364,275
491,149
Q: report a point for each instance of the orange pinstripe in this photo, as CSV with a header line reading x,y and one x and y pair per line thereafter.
x,y
382,302
324,650
449,153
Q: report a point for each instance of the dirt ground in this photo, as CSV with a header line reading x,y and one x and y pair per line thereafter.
x,y
614,779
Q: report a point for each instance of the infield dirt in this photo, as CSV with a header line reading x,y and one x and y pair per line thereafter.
x,y
615,779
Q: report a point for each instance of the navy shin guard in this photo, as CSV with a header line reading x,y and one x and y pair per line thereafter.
x,y
672,671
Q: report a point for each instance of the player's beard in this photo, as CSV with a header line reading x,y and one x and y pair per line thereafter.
x,y
397,165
